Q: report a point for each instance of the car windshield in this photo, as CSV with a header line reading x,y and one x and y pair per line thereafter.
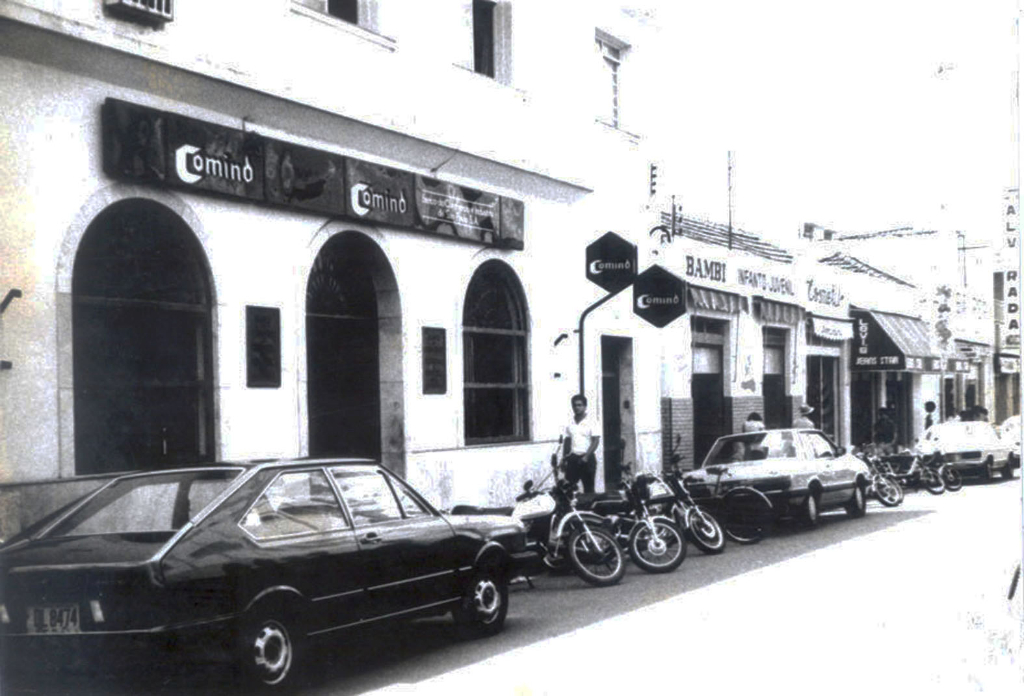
x,y
151,503
752,447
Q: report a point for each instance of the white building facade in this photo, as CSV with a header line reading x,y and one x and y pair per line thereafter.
x,y
314,228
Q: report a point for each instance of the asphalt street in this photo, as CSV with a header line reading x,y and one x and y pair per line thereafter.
x,y
910,597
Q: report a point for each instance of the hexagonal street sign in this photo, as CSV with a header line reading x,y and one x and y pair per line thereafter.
x,y
658,296
611,262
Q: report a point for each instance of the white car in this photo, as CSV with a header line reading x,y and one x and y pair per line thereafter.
x,y
970,446
1009,432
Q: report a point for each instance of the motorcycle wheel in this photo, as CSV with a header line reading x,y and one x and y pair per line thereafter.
x,y
596,557
932,482
888,491
898,486
704,530
658,551
951,477
747,513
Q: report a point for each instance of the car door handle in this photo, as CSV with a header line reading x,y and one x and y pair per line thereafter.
x,y
372,538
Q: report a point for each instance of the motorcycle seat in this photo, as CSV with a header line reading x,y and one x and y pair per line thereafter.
x,y
586,501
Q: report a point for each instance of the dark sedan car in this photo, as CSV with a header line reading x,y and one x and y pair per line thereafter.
x,y
255,558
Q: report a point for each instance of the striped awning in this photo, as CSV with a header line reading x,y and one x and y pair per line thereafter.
x,y
778,312
716,300
884,342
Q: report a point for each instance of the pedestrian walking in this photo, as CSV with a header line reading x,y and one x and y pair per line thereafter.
x,y
581,440
803,420
754,423
929,409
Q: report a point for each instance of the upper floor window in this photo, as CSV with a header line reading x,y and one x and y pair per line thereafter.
x,y
360,13
611,52
494,331
488,24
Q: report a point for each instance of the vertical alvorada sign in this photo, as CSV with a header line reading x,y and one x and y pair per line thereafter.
x,y
145,145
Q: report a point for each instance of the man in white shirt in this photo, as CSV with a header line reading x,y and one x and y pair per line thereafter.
x,y
581,440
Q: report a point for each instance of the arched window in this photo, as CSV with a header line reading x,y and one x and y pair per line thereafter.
x,y
494,339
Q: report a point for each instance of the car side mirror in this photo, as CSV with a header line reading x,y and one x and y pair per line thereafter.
x,y
528,485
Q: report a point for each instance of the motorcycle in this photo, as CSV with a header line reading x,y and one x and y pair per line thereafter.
x,y
654,542
700,525
883,485
560,533
910,470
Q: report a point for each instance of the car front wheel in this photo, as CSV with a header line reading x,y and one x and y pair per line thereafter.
x,y
810,511
857,505
485,603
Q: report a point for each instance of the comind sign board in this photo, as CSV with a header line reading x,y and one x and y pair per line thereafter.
x,y
659,297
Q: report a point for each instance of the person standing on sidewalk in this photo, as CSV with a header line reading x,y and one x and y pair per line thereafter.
x,y
754,423
803,420
581,440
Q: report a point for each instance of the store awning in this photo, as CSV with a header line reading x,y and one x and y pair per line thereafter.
x,y
777,312
831,329
715,300
891,342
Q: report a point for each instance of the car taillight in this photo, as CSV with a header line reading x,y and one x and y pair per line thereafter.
x,y
5,618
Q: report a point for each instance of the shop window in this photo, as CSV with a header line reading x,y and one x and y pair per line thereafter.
x,y
142,347
610,53
494,332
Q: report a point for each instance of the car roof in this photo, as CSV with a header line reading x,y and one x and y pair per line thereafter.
x,y
250,465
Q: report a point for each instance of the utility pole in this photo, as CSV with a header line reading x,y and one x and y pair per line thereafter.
x,y
730,197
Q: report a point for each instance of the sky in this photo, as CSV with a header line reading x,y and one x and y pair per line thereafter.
x,y
858,116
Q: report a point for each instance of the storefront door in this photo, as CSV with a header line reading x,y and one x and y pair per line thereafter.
x,y
776,408
616,406
342,361
822,379
708,400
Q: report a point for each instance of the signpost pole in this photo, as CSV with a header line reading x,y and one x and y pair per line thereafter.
x,y
583,318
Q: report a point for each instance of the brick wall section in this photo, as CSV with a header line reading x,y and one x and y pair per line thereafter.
x,y
739,407
677,419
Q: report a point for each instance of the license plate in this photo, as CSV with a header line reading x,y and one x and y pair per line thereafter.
x,y
55,619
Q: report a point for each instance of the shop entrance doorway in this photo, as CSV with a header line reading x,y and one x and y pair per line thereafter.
x,y
617,407
776,407
708,400
822,389
342,351
142,346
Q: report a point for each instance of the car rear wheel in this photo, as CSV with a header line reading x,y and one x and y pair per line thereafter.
x,y
484,605
857,505
269,643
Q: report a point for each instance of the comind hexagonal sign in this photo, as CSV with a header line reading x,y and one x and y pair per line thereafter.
x,y
658,296
611,262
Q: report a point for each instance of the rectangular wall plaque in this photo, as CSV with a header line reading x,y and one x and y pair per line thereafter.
x,y
435,361
263,347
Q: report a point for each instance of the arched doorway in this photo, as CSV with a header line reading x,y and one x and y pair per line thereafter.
x,y
142,344
351,304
